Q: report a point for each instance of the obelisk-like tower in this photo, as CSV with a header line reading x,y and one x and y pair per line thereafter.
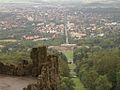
x,y
66,30
66,34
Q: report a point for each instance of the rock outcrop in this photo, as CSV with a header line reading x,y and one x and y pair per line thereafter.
x,y
43,66
46,67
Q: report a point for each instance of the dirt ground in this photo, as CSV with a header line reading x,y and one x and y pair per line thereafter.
x,y
15,83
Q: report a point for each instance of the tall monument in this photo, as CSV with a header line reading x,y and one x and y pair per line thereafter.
x,y
66,34
66,30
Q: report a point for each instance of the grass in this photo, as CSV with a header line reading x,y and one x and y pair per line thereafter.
x,y
69,55
13,57
79,85
72,66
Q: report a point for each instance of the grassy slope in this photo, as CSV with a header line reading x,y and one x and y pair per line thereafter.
x,y
69,55
79,85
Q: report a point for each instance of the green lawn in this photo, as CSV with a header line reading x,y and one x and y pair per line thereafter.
x,y
79,85
14,57
69,55
72,66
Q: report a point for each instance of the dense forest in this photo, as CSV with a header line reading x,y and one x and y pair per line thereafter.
x,y
98,63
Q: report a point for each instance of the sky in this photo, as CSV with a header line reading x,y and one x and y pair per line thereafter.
x,y
83,1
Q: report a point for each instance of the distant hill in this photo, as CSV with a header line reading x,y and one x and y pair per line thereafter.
x,y
105,4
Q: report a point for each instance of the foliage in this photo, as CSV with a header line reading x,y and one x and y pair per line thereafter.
x,y
102,83
106,62
67,84
78,84
118,81
14,57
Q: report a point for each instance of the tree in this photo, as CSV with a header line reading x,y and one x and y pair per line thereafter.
x,y
80,53
102,83
67,84
88,79
118,81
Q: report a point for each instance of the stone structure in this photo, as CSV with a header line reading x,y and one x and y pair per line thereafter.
x,y
44,67
23,68
38,56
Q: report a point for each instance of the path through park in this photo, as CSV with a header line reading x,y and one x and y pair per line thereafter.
x,y
72,66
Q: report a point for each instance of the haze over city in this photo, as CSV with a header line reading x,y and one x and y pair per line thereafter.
x,y
82,1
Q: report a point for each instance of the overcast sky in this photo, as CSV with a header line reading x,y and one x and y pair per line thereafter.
x,y
84,1
87,1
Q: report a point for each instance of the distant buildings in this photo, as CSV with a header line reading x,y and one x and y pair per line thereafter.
x,y
49,22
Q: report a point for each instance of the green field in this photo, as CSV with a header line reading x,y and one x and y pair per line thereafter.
x,y
79,85
72,66
69,55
